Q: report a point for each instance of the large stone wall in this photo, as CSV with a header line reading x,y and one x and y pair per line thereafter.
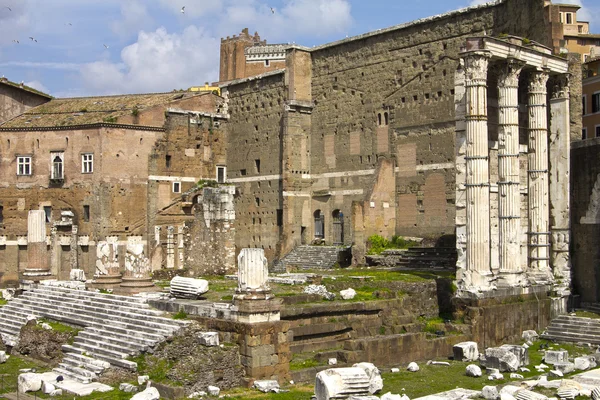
x,y
15,101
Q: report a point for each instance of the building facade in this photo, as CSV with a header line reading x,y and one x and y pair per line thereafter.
x,y
114,169
591,99
15,99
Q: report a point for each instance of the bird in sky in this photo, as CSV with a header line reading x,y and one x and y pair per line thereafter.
x,y
183,10
15,41
68,23
105,46
33,39
272,10
9,9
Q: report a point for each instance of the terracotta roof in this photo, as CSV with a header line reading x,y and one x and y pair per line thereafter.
x,y
26,88
79,111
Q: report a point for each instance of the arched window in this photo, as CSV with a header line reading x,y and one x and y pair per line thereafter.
x,y
379,119
338,226
319,225
386,118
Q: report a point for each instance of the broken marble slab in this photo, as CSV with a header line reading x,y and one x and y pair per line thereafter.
x,y
465,351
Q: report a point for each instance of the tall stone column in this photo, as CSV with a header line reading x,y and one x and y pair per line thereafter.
x,y
477,163
538,175
509,197
38,266
559,150
170,247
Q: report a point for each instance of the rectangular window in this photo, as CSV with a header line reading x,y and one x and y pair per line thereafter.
x,y
23,165
257,166
596,102
569,18
280,217
86,213
87,163
57,171
584,104
584,134
243,172
1,214
597,130
221,174
176,187
48,212
168,161
561,17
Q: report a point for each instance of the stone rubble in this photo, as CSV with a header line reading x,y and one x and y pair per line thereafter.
x,y
525,394
341,382
556,374
332,361
516,376
473,371
501,358
142,379
3,357
430,362
196,395
375,380
267,386
187,288
48,388
77,275
396,370
29,382
564,367
530,336
556,356
213,390
466,352
209,339
412,367
127,388
363,398
596,393
150,393
348,294
520,352
490,393
584,363
320,290
56,393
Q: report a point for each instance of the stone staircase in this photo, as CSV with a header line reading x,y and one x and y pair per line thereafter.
x,y
566,328
310,257
114,327
416,258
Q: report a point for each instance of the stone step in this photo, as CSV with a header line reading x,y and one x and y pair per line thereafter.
x,y
75,362
577,336
90,301
102,334
79,371
68,374
60,311
570,338
574,328
113,297
128,350
101,354
8,321
126,312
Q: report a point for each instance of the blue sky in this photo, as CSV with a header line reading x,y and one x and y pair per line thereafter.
x,y
95,47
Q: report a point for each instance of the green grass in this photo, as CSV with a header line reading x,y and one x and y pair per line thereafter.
x,y
152,366
9,371
587,314
180,315
298,365
297,392
377,244
3,302
59,327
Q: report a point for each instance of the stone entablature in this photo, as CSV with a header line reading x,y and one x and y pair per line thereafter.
x,y
268,52
504,236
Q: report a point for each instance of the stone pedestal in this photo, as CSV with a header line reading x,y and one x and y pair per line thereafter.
x,y
38,267
136,278
107,274
253,298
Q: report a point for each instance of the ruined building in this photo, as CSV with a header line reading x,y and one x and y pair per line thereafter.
x,y
371,133
117,171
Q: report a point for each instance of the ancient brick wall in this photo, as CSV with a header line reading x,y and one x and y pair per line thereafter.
x,y
254,163
15,101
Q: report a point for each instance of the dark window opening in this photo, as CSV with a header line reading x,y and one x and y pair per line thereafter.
x,y
1,214
279,217
583,134
379,119
220,174
387,118
598,131
257,201
86,213
168,161
595,102
243,172
257,165
48,212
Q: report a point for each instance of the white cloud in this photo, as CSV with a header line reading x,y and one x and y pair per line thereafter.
x,y
158,61
589,13
42,65
135,17
38,85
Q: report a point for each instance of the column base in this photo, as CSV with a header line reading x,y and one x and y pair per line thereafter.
x,y
106,281
37,274
257,310
136,285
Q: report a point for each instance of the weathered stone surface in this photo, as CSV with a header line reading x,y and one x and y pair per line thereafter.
x,y
332,361
143,379
556,373
47,387
556,356
341,382
490,393
501,358
525,394
56,393
29,382
375,380
466,351
521,352
77,275
363,398
567,393
187,288
584,362
495,376
266,386
413,367
320,290
396,370
209,338
516,376
596,393
213,390
530,336
150,393
473,370
3,357
565,367
348,294
127,388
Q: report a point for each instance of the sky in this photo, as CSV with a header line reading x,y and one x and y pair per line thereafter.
x,y
71,48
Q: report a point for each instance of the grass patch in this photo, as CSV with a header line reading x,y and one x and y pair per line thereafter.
x,y
297,392
58,327
583,314
3,301
154,367
180,315
377,244
310,363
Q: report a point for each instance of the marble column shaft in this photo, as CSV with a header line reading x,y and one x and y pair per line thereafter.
x,y
538,172
509,197
477,163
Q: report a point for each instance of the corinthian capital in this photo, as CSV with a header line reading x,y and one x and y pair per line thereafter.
x,y
560,86
476,65
538,80
508,73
